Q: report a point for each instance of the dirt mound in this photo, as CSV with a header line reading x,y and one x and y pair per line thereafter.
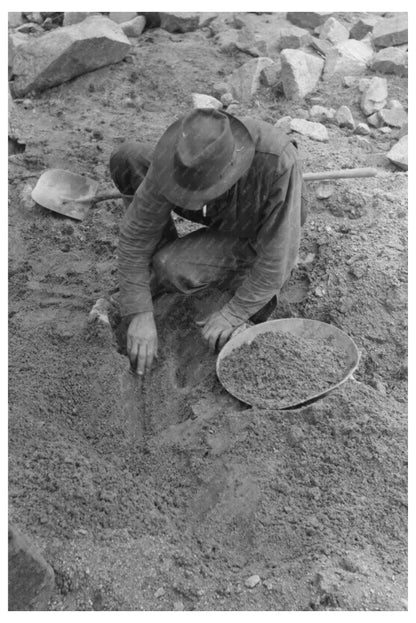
x,y
236,491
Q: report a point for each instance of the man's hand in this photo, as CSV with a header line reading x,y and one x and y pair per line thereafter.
x,y
142,342
216,330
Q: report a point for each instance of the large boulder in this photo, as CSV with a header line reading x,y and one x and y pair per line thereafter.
x,y
67,52
244,82
15,41
270,75
15,19
333,31
306,19
398,154
364,26
394,117
232,40
179,22
300,73
152,18
374,97
315,131
291,37
134,27
322,46
391,61
121,17
349,57
218,24
391,31
73,17
31,578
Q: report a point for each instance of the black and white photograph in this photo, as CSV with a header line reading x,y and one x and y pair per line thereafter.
x,y
208,309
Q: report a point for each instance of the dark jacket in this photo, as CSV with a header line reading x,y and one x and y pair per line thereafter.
x,y
264,206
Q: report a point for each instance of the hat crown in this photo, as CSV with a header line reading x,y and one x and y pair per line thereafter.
x,y
201,156
203,133
204,150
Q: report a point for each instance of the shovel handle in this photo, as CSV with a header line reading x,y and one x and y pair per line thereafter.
x,y
106,196
340,173
308,177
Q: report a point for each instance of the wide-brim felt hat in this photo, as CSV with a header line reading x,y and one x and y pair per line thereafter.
x,y
200,156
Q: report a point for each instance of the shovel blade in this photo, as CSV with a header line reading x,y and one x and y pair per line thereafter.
x,y
64,192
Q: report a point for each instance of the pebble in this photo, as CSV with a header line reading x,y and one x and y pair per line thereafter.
x,y
344,117
362,129
178,605
319,291
268,584
160,592
374,120
324,191
233,109
201,100
315,131
219,89
252,581
349,81
308,259
227,99
380,387
321,114
28,104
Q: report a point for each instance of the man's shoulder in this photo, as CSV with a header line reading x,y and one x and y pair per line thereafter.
x,y
267,138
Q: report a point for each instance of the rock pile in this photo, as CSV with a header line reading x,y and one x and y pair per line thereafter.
x,y
306,49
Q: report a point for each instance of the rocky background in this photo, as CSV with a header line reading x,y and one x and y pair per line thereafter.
x,y
178,497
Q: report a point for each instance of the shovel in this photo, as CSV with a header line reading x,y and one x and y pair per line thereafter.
x,y
72,195
68,193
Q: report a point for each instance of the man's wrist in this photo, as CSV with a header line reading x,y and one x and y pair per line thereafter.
x,y
129,317
234,319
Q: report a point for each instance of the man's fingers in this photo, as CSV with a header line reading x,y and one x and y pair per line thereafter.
x,y
223,338
132,350
141,359
150,356
212,340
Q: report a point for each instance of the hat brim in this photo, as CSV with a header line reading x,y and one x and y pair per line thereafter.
x,y
162,167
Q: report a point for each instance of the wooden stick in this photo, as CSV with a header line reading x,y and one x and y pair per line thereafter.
x,y
340,173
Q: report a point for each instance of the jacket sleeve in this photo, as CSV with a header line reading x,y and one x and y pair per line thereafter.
x,y
277,242
140,232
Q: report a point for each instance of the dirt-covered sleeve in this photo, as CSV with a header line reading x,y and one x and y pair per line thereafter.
x,y
141,230
277,243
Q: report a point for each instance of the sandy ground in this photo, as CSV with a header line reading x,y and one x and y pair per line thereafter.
x,y
170,495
